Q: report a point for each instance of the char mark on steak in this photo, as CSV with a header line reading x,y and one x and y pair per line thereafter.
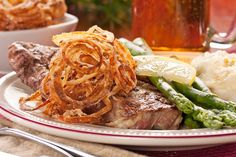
x,y
143,108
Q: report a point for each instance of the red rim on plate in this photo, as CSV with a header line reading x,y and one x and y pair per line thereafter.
x,y
105,134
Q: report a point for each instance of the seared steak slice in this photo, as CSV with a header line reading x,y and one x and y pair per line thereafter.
x,y
142,108
30,61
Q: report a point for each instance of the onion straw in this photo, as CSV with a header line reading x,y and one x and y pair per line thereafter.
x,y
91,68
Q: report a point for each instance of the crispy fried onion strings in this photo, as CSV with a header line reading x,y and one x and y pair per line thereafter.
x,y
26,14
90,69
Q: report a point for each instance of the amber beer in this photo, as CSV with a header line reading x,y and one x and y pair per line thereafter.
x,y
180,25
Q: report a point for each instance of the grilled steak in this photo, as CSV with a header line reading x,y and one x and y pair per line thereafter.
x,y
30,61
142,108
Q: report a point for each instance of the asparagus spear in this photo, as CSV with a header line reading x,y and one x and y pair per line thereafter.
x,y
191,123
208,118
135,50
142,43
228,117
182,103
209,99
199,84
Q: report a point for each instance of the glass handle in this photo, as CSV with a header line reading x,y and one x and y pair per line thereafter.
x,y
229,37
223,41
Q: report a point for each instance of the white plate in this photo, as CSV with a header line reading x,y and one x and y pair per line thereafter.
x,y
7,154
38,35
11,89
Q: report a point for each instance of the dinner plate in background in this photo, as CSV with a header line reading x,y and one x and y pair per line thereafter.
x,y
11,89
39,35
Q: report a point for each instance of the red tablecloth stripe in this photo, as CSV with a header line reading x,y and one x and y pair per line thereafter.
x,y
228,150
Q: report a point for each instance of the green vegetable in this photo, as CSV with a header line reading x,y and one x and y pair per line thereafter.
x,y
135,50
199,84
208,118
182,103
143,44
191,123
228,117
208,99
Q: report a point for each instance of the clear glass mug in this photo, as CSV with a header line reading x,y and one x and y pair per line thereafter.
x,y
176,25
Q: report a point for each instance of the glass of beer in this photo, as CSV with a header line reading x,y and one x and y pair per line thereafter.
x,y
172,25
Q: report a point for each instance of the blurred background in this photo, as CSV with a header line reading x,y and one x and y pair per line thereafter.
x,y
115,15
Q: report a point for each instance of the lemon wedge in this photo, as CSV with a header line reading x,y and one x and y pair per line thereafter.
x,y
169,68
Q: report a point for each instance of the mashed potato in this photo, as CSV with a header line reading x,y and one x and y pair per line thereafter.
x,y
218,71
